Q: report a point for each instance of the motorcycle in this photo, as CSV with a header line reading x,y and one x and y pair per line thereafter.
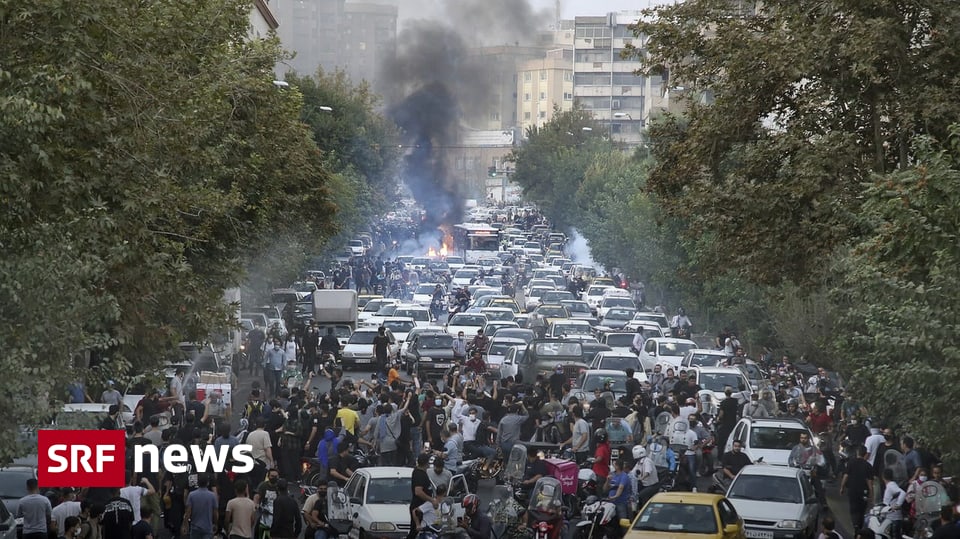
x,y
545,512
600,520
505,514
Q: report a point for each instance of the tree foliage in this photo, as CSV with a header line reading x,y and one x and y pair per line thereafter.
x,y
810,99
901,313
551,164
145,155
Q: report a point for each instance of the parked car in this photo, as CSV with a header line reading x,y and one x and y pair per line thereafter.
x,y
769,438
666,351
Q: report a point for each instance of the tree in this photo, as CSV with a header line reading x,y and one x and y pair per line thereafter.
x,y
897,295
146,155
808,100
550,165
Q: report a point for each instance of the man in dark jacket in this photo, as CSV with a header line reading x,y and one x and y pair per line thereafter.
x,y
286,514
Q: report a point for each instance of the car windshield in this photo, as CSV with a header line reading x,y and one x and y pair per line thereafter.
x,y
468,320
419,315
717,381
557,295
576,306
675,348
538,291
389,490
454,260
620,314
596,290
525,334
558,348
677,518
13,483
763,488
618,302
362,337
552,312
620,339
593,382
501,348
619,363
466,273
420,261
752,371
572,329
387,310
339,331
372,306
705,360
426,289
436,341
399,326
774,438
499,315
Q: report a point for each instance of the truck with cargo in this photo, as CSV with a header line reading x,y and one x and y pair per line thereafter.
x,y
336,309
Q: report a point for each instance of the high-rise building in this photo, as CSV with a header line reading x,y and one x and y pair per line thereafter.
x,y
500,65
607,84
543,86
334,34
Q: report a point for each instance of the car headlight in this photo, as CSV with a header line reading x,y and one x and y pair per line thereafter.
x,y
348,354
789,524
383,527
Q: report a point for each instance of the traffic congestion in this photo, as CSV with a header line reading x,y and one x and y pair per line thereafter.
x,y
496,384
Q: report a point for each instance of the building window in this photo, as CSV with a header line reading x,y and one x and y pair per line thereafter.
x,y
526,115
568,76
526,97
567,96
471,162
362,45
527,77
543,114
543,96
495,116
543,74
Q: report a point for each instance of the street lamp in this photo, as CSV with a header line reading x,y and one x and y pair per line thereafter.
x,y
281,84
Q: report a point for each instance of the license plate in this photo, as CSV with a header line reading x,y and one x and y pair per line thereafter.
x,y
615,454
362,360
441,365
758,534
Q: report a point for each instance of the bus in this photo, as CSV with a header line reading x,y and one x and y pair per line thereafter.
x,y
474,241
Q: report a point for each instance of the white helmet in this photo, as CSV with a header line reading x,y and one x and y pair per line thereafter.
x,y
639,452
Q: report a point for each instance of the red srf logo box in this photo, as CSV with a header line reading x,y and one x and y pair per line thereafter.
x,y
81,458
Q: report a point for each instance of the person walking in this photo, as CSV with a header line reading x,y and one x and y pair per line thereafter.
x,y
36,512
201,511
286,514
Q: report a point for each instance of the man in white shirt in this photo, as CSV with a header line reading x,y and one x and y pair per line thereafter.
x,y
69,507
872,443
133,492
690,454
893,497
638,341
644,477
689,408
579,440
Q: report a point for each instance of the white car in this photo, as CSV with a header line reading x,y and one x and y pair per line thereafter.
x,y
594,295
609,302
619,361
371,308
376,501
775,501
468,323
464,275
717,379
498,313
569,327
703,357
578,309
455,263
423,294
619,341
770,438
356,247
657,318
419,314
359,349
399,327
665,351
532,248
532,298
534,283
650,329
497,352
385,312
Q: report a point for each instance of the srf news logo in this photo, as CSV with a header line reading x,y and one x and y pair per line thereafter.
x,y
97,458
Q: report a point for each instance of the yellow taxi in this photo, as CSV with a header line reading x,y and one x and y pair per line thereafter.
x,y
687,515
603,281
508,303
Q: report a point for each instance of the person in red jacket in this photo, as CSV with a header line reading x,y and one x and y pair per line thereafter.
x,y
601,463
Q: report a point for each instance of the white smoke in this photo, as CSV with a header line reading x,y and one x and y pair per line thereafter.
x,y
579,250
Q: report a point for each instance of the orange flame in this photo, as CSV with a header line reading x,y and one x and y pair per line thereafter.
x,y
443,250
432,253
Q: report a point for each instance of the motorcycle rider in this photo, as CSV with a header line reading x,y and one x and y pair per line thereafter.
x,y
601,463
533,471
459,347
477,363
329,344
806,456
480,342
476,524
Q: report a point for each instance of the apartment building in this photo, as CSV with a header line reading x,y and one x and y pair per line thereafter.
x,y
544,86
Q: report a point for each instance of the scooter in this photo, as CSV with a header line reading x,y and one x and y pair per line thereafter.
x,y
878,521
600,520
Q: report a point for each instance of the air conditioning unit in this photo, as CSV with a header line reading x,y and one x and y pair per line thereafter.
x,y
615,105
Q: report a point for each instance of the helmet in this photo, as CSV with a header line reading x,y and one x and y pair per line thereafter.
x,y
600,435
471,503
639,452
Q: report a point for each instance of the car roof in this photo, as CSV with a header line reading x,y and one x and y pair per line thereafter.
x,y
614,353
507,340
571,321
604,372
367,329
706,352
379,472
767,470
398,319
713,370
670,340
695,498
778,422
